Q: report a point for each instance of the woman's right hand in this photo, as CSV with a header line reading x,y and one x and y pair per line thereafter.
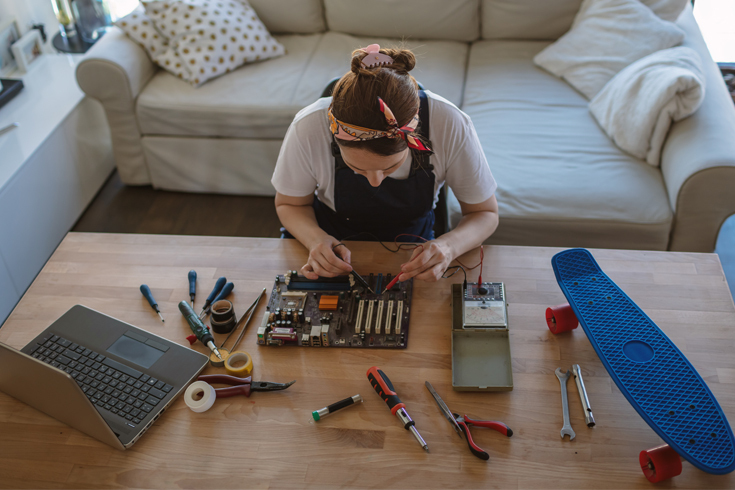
x,y
327,259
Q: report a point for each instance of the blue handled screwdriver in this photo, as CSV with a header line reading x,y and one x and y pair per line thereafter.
x,y
192,286
217,288
149,296
222,295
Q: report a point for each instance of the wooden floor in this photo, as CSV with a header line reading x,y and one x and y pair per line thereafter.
x,y
141,209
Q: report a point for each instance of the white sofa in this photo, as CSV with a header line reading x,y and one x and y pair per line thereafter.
x,y
562,182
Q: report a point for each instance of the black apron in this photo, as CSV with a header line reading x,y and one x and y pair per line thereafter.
x,y
364,212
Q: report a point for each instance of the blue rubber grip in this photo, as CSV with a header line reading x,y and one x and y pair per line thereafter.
x,y
192,282
225,292
217,288
149,296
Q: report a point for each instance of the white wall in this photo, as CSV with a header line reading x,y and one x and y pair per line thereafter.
x,y
29,12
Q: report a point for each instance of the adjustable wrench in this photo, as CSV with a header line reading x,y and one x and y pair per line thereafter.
x,y
567,429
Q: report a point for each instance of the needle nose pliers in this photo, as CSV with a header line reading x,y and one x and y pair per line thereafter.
x,y
241,386
464,423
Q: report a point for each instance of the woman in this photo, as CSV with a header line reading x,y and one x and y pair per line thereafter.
x,y
376,155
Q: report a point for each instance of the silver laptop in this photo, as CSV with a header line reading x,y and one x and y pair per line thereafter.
x,y
104,377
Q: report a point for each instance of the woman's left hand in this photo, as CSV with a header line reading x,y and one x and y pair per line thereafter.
x,y
428,262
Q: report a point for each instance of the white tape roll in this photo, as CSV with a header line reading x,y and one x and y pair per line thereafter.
x,y
208,395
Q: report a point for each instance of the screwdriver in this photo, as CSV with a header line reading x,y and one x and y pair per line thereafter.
x,y
192,286
217,288
196,325
383,387
149,296
222,295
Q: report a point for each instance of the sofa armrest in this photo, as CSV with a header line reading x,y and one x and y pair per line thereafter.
x,y
114,72
698,158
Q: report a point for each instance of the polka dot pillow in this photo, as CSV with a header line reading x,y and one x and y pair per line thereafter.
x,y
208,38
141,29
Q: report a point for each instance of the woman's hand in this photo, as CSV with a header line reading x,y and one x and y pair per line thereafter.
x,y
428,262
327,258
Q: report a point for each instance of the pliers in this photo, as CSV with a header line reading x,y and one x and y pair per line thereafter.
x,y
465,422
241,386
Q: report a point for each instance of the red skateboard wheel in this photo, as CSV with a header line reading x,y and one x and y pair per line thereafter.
x,y
561,318
660,463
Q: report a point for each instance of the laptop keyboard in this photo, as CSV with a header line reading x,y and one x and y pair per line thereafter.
x,y
109,385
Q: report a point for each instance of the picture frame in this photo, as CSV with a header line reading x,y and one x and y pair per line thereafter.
x,y
27,49
9,34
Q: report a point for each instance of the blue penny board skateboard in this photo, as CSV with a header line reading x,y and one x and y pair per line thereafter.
x,y
652,373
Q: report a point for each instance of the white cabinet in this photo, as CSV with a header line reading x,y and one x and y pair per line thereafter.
x,y
51,167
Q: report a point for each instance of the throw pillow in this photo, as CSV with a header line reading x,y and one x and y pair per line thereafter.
x,y
141,29
209,38
607,36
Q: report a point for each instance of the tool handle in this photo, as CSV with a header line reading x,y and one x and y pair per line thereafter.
x,y
340,404
474,448
196,325
233,391
217,288
224,378
192,282
384,388
393,282
226,290
491,424
149,296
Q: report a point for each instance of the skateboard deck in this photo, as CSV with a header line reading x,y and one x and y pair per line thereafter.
x,y
652,373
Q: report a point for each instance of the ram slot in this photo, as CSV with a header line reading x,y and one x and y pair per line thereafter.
x,y
369,319
389,317
358,321
379,320
399,315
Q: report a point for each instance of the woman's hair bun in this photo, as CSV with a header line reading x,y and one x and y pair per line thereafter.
x,y
403,61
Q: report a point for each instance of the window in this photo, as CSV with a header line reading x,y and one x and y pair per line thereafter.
x,y
121,8
716,19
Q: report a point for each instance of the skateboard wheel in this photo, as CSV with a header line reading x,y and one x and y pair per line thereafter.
x,y
561,318
660,463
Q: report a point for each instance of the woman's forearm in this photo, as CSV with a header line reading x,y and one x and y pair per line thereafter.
x,y
472,230
301,222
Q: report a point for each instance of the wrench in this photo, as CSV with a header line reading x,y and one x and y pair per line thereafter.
x,y
567,429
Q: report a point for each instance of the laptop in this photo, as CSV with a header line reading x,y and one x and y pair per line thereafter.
x,y
100,375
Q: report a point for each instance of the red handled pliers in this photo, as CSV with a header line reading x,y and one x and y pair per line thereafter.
x,y
465,422
241,386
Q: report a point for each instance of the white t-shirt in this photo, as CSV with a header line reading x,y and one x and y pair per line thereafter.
x,y
306,164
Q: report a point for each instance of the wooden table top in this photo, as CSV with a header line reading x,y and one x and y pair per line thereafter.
x,y
270,439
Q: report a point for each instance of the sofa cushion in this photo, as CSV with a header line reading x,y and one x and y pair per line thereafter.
x,y
548,19
559,176
261,99
291,16
456,20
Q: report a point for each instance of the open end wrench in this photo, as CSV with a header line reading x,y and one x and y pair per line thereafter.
x,y
567,429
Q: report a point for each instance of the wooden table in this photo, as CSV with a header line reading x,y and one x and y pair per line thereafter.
x,y
270,439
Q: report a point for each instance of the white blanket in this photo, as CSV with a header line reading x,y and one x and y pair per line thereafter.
x,y
637,106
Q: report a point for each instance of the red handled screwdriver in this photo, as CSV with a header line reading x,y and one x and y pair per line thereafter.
x,y
383,387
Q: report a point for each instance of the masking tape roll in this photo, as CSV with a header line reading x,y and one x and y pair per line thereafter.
x,y
242,371
208,395
215,361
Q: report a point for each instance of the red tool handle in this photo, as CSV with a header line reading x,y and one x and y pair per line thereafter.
x,y
474,448
242,385
393,282
490,424
383,387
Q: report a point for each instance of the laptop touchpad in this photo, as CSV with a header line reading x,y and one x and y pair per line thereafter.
x,y
135,351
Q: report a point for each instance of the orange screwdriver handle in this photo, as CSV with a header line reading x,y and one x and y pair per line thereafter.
x,y
384,388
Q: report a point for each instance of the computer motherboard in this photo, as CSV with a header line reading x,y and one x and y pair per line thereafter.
x,y
337,312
